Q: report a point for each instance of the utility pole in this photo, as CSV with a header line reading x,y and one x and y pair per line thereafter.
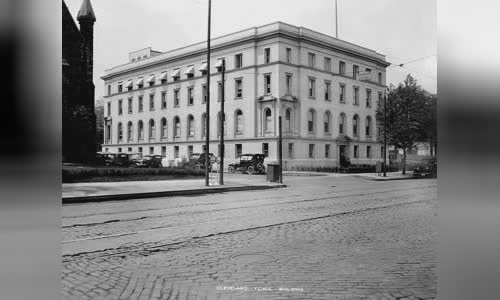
x,y
336,21
222,121
385,136
207,125
280,151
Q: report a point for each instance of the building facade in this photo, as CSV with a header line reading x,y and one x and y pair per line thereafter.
x,y
325,90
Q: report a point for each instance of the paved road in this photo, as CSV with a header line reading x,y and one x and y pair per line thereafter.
x,y
323,237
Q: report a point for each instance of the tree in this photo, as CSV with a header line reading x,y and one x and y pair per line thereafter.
x,y
406,109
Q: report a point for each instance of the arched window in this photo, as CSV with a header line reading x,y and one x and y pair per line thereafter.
x,y
355,125
120,132
140,131
238,120
311,121
203,124
218,124
163,130
268,123
130,131
177,127
152,129
288,119
341,123
327,122
368,127
190,125
108,133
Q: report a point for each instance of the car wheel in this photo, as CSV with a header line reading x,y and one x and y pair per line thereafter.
x,y
250,170
230,169
197,167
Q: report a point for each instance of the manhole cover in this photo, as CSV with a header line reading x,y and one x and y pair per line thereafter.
x,y
254,258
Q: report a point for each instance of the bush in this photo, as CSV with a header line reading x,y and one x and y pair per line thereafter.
x,y
79,174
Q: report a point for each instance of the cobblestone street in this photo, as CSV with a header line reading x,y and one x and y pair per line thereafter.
x,y
322,237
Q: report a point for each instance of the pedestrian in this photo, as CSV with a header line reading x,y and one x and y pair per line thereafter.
x,y
378,168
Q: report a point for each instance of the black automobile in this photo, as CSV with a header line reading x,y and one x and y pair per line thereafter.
x,y
250,164
427,168
129,159
152,161
198,161
104,158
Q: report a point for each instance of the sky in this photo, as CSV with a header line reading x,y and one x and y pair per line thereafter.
x,y
403,30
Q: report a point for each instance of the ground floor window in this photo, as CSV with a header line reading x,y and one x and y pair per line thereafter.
x,y
163,151
190,150
356,151
129,149
382,150
238,149
119,150
327,151
176,151
140,149
311,150
265,149
368,151
290,150
151,150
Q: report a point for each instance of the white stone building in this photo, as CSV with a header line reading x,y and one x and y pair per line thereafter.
x,y
325,89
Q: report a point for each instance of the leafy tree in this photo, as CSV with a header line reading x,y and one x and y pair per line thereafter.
x,y
406,120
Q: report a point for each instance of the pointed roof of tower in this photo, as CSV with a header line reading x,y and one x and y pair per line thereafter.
x,y
86,11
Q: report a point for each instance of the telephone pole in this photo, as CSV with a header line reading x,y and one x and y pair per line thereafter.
x,y
222,121
280,150
207,125
385,130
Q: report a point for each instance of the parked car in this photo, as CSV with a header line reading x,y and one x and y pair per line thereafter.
x,y
129,159
199,161
249,163
152,161
104,158
427,168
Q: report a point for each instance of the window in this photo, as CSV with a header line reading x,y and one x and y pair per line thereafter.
x,y
327,151
288,120
151,150
109,89
176,75
190,150
221,63
368,98
368,151
140,104
176,98
218,123
130,85
379,96
238,61
190,96
267,55
219,91
163,151
341,123
379,78
109,109
238,149
151,102
204,148
356,151
177,127
311,59
368,127
130,131
239,122
120,132
203,124
356,95
190,126
129,105
119,150
139,149
341,68
265,149
368,70
288,83
290,150
129,149
219,152
163,77
311,150
189,72
355,71
176,151
140,131
203,68
268,120
328,90
140,83
327,122
289,55
120,107
328,64
120,87
342,93
267,84
163,131
382,151
163,99
311,121
152,130
312,88
238,84
355,125
108,134
204,92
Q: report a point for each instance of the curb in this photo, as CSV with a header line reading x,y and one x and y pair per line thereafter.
x,y
131,196
385,179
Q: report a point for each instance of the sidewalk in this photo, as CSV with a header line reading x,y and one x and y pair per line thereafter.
x,y
390,176
126,190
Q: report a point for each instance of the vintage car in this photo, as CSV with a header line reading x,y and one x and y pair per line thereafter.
x,y
104,158
129,159
197,160
151,161
249,163
427,168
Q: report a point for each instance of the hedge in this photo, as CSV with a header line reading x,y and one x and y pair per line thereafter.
x,y
362,168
